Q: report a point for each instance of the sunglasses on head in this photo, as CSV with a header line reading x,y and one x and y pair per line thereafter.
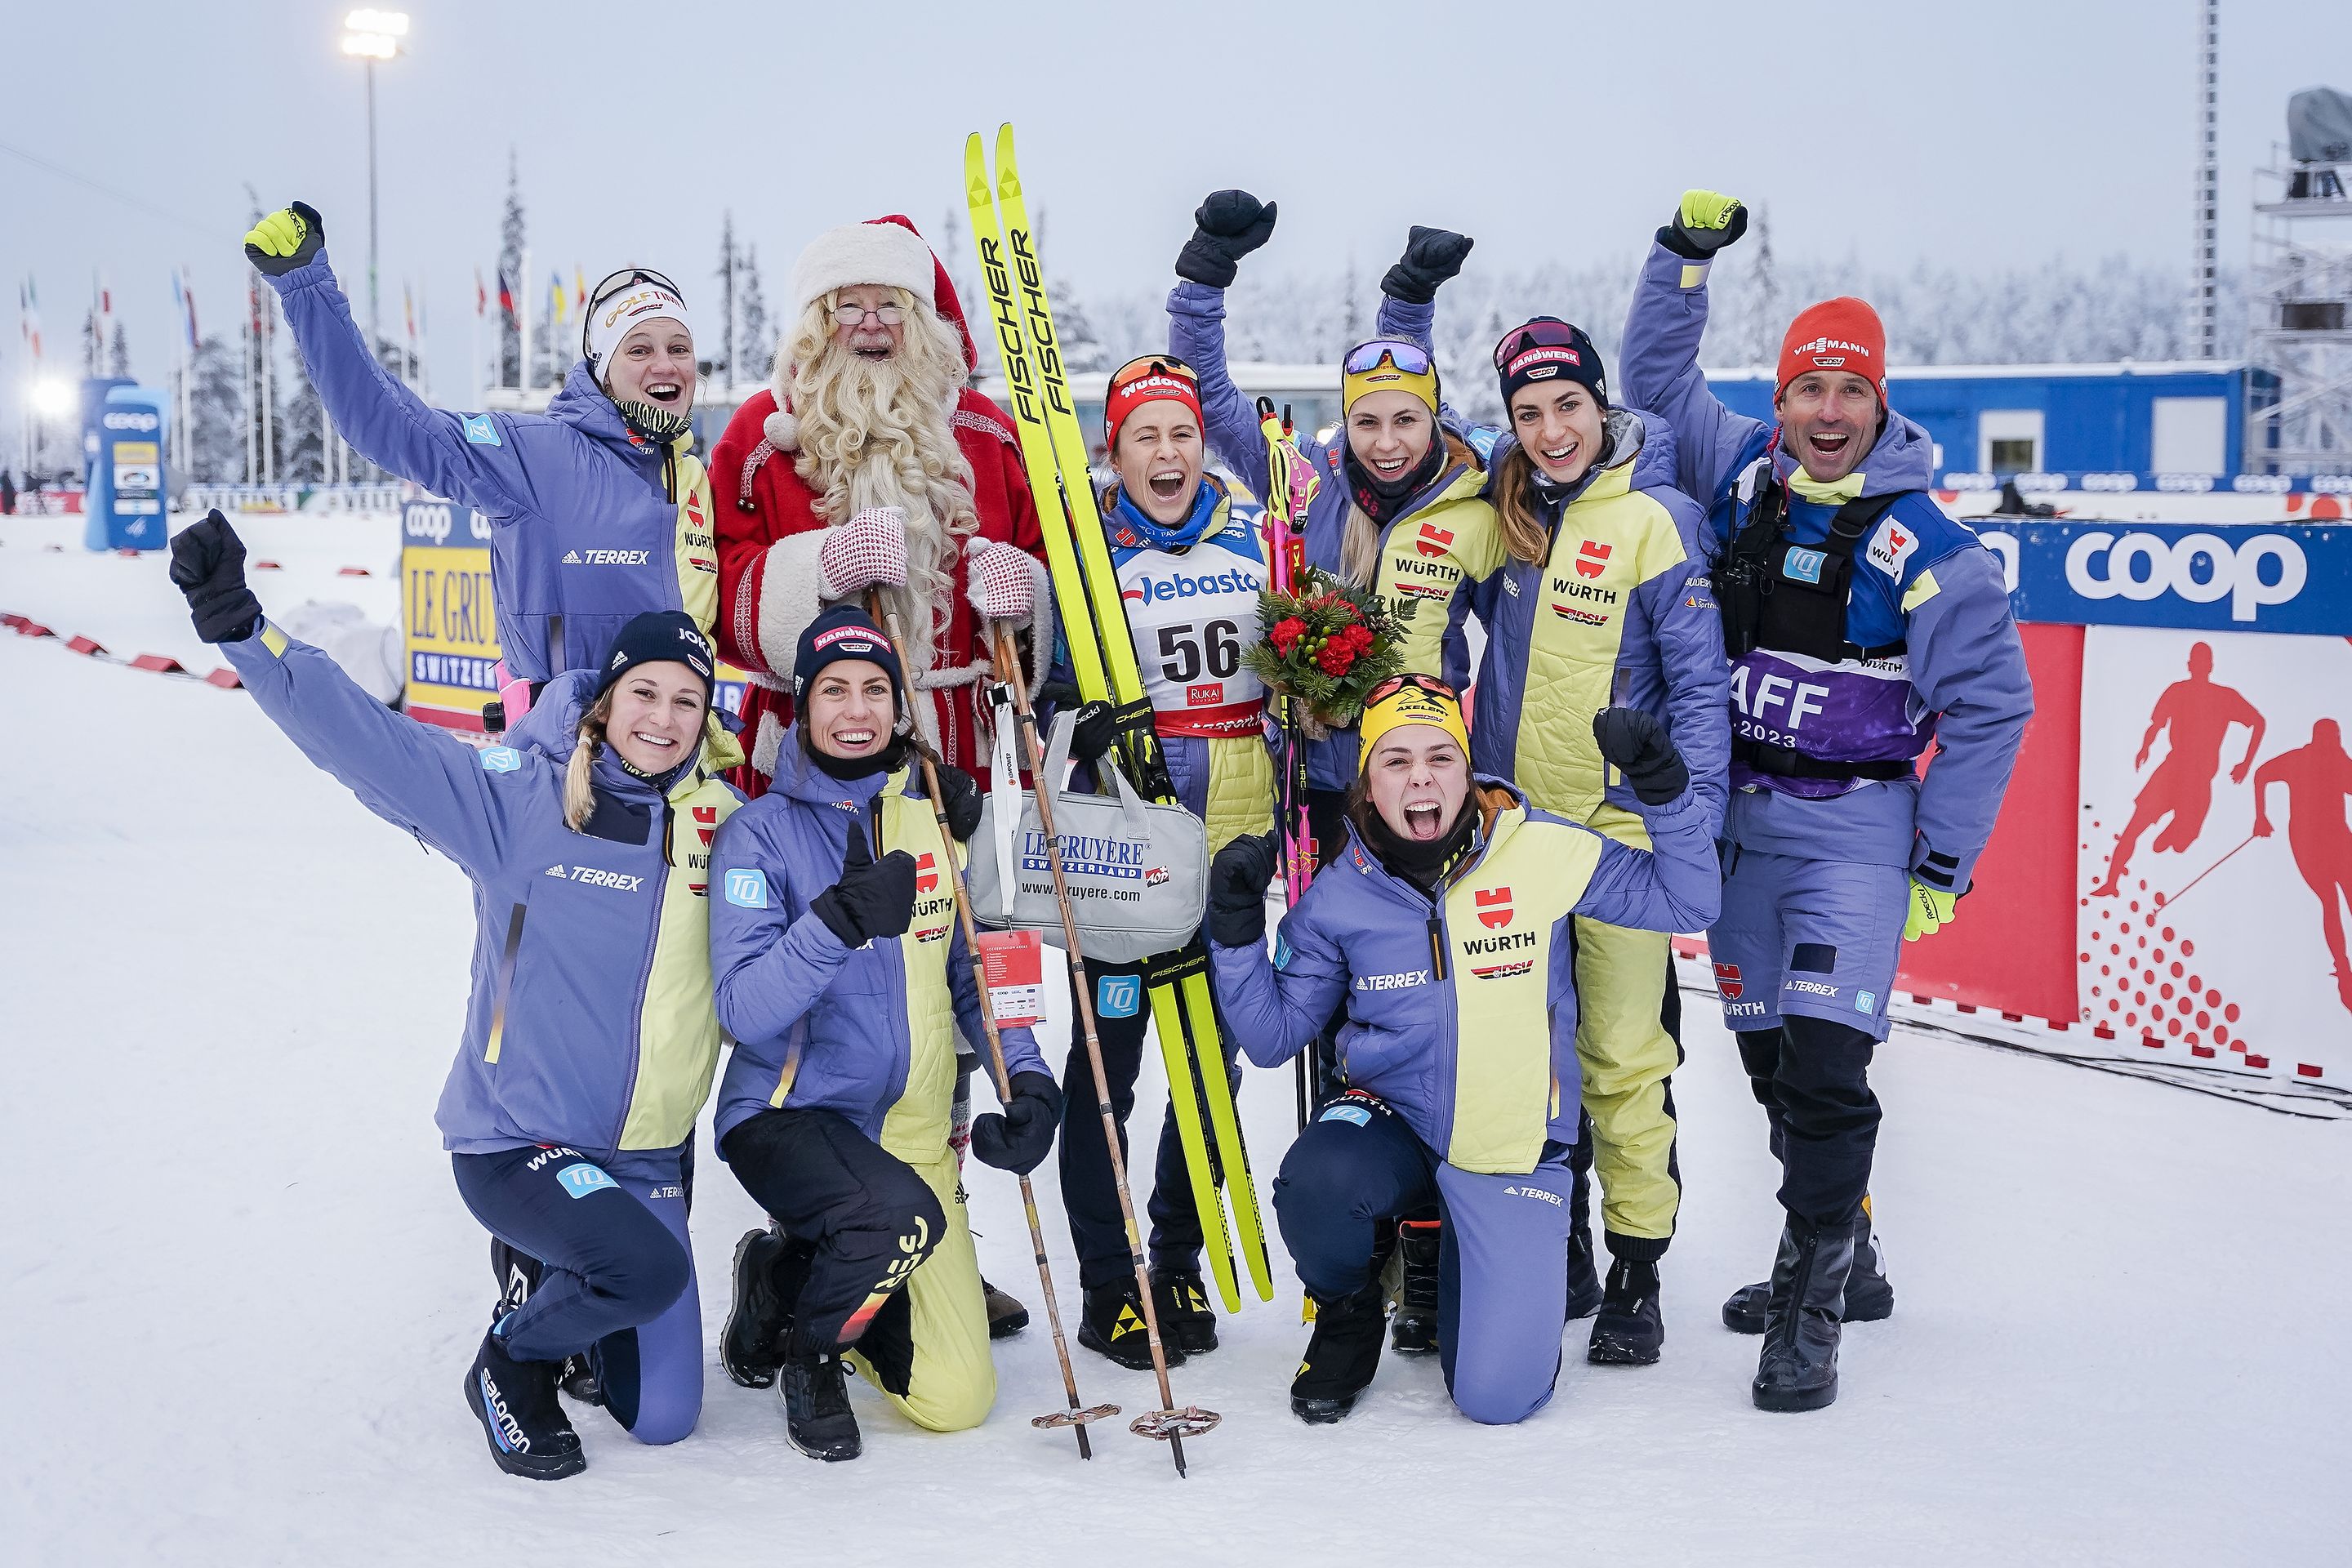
x,y
1427,684
1536,334
1143,365
628,277
1365,358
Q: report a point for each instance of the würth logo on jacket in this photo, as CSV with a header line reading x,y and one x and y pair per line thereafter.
x,y
1494,906
1591,558
1727,981
927,874
1434,540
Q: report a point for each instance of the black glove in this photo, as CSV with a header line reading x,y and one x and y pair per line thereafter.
x,y
1639,747
1019,1138
208,566
1225,227
1237,880
1431,256
873,899
959,797
286,239
1704,222
1091,733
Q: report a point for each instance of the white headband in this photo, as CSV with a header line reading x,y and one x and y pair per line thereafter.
x,y
612,318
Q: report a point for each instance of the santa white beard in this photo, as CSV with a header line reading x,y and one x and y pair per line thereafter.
x,y
881,433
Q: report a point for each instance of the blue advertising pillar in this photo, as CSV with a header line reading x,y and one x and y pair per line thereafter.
x,y
125,490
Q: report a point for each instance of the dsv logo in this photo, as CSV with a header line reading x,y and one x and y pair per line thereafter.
x,y
2199,567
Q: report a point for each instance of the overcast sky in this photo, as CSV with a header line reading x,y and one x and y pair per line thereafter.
x,y
1985,133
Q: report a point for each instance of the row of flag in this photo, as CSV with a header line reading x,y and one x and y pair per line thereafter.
x,y
562,303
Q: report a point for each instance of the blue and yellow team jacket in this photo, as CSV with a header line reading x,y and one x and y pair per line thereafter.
x,y
590,1021
1461,1010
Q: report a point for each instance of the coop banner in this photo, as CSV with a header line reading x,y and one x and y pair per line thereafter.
x,y
2183,575
2213,860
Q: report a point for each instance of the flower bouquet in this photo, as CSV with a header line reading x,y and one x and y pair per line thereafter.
x,y
1327,644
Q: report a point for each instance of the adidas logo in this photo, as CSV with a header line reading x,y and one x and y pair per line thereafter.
x,y
557,872
572,558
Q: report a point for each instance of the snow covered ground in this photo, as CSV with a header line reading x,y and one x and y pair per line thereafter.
x,y
239,1290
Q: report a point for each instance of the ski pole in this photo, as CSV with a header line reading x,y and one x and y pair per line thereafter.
x,y
1169,1423
1077,1416
1290,790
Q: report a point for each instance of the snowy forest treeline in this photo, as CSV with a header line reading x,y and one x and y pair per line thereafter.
x,y
2060,311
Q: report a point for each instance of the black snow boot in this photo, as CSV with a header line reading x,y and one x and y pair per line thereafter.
x,y
1112,1325
1187,1322
1414,1330
1629,1330
1868,1296
815,1392
1798,1368
577,1378
1584,1294
751,1345
515,1402
1341,1356
1006,1317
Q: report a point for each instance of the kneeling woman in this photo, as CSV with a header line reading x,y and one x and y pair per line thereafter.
x,y
843,976
1443,927
590,1040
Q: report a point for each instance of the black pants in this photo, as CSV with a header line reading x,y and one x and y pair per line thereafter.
x,y
863,1219
1811,1077
1122,1012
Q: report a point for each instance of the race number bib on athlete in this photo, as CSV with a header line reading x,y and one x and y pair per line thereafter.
x,y
1191,615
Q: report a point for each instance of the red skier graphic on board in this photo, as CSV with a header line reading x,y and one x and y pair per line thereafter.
x,y
2318,779
2195,715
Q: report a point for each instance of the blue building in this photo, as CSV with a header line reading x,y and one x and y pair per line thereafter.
x,y
2184,417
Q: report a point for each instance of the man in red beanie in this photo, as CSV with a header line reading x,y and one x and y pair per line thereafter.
x,y
1863,624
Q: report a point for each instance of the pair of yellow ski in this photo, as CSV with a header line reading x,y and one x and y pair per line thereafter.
x,y
1102,656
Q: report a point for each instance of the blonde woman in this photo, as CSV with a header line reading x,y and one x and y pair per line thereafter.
x,y
590,1038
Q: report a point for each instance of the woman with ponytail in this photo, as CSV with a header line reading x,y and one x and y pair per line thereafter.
x,y
590,1038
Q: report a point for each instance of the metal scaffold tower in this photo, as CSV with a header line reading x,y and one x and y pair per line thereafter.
x,y
2299,336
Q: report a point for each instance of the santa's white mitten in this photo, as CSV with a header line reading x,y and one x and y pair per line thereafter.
x,y
868,550
1001,580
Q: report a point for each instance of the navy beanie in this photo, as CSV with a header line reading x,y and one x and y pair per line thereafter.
x,y
844,632
658,636
1548,349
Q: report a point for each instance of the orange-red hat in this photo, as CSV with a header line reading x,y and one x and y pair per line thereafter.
x,y
1844,333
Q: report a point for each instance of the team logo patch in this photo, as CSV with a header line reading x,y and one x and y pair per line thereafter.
x,y
1591,558
1434,540
583,1179
483,431
1727,982
1355,1113
1505,971
501,760
1892,546
747,889
1494,905
1865,1001
1119,996
1281,950
1804,565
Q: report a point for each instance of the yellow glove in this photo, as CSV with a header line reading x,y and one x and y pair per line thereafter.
x,y
1705,223
1930,912
286,239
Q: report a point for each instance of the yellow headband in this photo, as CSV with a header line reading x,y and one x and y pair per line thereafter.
x,y
1411,702
1386,377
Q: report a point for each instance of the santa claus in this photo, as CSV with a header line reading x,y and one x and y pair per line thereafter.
x,y
871,465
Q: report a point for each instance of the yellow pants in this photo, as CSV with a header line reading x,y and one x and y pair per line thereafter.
x,y
927,1348
1624,1055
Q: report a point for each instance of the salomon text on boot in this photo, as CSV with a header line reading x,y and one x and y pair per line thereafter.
x,y
1187,1322
1341,1355
1112,1325
1798,1368
815,1392
515,1401
1629,1330
1414,1330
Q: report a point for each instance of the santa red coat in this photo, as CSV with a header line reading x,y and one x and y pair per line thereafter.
x,y
769,532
